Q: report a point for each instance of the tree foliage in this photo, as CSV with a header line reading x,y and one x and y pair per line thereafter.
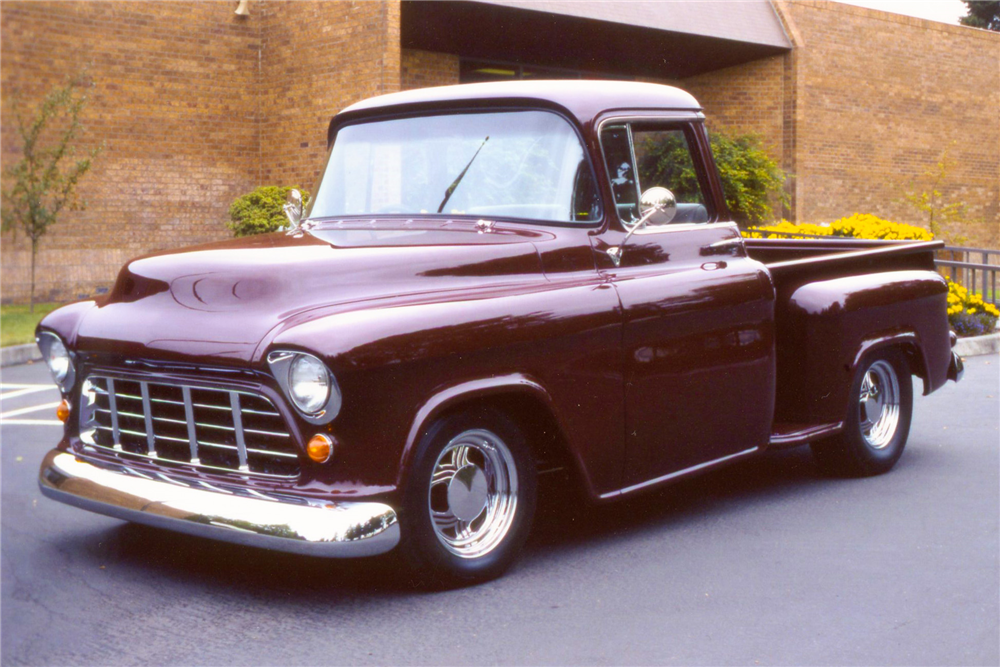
x,y
43,182
751,180
982,14
260,211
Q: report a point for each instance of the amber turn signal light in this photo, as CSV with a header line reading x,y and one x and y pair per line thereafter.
x,y
62,412
320,448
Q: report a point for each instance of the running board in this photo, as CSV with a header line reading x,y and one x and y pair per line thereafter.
x,y
793,435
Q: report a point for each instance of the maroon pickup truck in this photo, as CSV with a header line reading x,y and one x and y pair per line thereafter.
x,y
492,281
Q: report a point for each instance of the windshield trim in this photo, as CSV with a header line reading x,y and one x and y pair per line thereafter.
x,y
597,222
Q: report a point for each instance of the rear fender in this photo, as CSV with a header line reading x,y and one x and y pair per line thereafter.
x,y
908,343
825,328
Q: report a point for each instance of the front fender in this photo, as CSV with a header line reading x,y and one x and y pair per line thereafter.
x,y
515,385
399,364
65,321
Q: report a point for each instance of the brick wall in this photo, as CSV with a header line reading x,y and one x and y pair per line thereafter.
x,y
744,98
319,57
424,69
173,99
196,106
880,97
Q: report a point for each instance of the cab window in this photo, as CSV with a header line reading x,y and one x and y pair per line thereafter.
x,y
640,157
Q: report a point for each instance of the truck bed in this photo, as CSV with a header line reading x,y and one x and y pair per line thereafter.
x,y
790,260
836,300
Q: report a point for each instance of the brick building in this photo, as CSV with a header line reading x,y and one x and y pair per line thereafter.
x,y
196,105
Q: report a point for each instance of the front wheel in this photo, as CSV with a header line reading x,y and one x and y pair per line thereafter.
x,y
877,422
469,500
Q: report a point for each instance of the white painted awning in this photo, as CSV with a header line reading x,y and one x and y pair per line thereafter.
x,y
750,21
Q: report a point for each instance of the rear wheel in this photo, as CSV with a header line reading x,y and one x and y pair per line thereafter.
x,y
469,500
877,422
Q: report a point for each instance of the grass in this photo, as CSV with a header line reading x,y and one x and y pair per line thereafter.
x,y
17,325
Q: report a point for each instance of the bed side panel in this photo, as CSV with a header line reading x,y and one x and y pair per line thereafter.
x,y
824,328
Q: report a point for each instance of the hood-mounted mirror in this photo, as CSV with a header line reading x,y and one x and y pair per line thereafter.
x,y
293,209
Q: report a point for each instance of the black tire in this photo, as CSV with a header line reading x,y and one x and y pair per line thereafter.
x,y
874,433
435,549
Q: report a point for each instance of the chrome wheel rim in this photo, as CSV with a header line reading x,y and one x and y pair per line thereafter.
x,y
878,405
473,493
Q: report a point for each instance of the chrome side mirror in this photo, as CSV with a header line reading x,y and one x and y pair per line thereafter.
x,y
658,206
293,209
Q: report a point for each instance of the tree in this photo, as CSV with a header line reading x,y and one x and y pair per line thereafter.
x,y
927,197
982,14
43,182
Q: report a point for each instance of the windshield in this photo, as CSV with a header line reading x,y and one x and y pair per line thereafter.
x,y
517,164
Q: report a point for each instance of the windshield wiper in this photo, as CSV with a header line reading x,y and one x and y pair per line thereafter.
x,y
451,188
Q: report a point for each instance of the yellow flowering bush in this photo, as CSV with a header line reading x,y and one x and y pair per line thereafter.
x,y
790,228
858,226
968,314
865,226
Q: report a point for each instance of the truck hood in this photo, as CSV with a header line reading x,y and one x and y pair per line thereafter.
x,y
216,303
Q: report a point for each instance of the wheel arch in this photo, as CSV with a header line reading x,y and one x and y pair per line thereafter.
x,y
521,398
908,343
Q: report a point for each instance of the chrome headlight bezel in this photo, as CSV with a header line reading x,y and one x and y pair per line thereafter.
x,y
50,343
282,363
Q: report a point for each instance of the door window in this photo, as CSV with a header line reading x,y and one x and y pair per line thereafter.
x,y
639,157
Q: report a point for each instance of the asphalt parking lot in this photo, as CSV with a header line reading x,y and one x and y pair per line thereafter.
x,y
765,563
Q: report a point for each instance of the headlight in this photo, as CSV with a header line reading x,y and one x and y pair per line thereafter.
x,y
57,359
308,384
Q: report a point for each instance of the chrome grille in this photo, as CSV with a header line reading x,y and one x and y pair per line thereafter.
x,y
214,428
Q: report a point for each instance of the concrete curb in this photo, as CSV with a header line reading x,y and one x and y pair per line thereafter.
x,y
19,354
974,346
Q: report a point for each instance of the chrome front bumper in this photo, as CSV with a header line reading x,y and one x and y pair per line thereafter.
x,y
333,530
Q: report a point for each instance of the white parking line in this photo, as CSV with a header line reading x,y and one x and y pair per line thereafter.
x,y
24,411
15,389
30,389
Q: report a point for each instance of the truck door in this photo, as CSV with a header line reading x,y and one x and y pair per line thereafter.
x,y
698,336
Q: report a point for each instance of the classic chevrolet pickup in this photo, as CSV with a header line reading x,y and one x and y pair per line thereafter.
x,y
492,281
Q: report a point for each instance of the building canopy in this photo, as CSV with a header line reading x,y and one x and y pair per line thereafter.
x,y
653,39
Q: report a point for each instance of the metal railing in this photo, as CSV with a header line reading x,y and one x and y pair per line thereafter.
x,y
960,264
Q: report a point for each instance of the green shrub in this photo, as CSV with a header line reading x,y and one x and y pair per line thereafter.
x,y
260,212
751,180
